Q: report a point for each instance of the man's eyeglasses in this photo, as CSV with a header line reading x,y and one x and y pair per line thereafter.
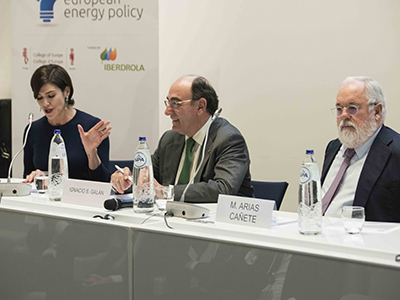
x,y
352,110
174,104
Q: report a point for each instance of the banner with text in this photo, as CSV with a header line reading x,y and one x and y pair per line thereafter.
x,y
110,50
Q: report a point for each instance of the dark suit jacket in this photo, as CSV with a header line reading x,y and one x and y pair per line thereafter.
x,y
225,169
378,189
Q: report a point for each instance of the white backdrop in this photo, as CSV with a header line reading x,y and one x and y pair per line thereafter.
x,y
111,54
276,66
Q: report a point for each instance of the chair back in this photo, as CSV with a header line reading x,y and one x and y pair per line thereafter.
x,y
270,191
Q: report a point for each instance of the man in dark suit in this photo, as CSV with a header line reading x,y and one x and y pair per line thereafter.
x,y
372,179
191,104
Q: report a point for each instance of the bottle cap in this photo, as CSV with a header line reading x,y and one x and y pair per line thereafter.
x,y
57,131
142,139
309,151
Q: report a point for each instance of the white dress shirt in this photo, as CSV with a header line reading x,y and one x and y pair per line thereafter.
x,y
199,139
348,185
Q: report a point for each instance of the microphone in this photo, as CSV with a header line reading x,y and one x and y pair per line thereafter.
x,y
216,115
114,203
187,210
17,189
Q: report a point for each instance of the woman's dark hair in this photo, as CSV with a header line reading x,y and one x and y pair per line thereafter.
x,y
201,88
53,74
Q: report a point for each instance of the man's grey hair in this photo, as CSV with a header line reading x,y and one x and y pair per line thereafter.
x,y
373,91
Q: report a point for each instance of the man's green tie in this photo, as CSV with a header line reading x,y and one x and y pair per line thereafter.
x,y
185,173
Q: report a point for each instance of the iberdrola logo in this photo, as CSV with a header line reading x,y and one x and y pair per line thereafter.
x,y
109,55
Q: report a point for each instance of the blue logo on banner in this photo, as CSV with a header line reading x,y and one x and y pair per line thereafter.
x,y
46,10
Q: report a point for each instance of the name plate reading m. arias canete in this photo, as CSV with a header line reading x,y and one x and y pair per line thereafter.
x,y
245,211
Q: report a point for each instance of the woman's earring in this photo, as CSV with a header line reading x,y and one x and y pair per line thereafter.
x,y
66,102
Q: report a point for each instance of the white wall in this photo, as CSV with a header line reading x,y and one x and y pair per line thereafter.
x,y
276,66
5,50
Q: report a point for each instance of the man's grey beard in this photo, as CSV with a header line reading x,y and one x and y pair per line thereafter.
x,y
357,137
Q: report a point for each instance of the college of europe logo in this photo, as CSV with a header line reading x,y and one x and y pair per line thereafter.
x,y
109,55
46,10
25,55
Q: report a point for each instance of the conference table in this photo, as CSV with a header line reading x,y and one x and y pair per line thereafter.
x,y
56,250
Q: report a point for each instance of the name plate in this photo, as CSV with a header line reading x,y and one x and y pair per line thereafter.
x,y
244,211
88,193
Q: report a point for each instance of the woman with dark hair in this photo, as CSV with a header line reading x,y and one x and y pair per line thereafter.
x,y
86,137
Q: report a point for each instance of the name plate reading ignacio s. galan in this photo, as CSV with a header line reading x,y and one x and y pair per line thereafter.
x,y
244,211
88,193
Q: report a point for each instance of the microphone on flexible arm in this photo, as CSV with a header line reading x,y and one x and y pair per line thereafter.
x,y
17,189
187,210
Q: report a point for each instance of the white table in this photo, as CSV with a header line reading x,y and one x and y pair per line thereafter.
x,y
51,250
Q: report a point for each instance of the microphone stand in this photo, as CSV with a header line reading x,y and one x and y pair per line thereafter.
x,y
187,210
17,189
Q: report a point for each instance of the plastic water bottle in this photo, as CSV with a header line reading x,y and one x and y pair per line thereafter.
x,y
310,208
143,183
58,166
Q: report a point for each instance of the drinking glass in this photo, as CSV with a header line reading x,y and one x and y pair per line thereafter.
x,y
353,218
164,194
41,182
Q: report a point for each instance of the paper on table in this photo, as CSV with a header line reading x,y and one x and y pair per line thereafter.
x,y
369,227
378,227
161,203
283,221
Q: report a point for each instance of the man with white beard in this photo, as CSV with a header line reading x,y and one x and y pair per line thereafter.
x,y
372,177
